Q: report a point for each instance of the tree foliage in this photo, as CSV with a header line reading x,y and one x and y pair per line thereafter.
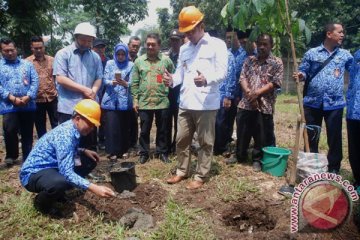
x,y
165,25
21,19
24,18
320,12
266,16
211,10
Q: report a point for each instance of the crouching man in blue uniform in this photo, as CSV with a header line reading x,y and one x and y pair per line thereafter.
x,y
51,167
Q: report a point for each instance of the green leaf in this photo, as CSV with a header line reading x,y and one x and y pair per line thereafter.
x,y
238,21
257,4
294,14
231,7
301,24
307,34
224,11
270,2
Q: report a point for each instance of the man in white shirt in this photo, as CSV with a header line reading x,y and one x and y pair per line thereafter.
x,y
202,65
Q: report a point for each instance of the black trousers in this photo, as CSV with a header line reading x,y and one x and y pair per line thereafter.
x,y
88,141
40,118
161,122
254,124
224,126
172,122
353,131
14,123
117,132
333,123
133,128
51,185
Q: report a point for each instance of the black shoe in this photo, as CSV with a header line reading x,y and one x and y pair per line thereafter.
x,y
143,159
46,209
164,158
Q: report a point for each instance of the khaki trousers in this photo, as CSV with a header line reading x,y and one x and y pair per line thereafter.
x,y
203,122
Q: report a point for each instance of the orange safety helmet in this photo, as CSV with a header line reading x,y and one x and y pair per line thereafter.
x,y
90,110
189,17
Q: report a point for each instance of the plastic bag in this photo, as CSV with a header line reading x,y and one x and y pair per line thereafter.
x,y
311,163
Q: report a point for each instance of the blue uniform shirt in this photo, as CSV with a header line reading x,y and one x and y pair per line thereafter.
x,y
116,97
228,86
81,68
56,149
353,93
325,90
240,57
20,79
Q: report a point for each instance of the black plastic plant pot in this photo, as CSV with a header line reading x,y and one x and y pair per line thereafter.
x,y
123,176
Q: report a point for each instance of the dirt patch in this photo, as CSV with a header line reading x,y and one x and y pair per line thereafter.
x,y
149,197
245,217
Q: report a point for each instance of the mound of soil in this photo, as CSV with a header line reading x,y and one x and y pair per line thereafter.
x,y
149,197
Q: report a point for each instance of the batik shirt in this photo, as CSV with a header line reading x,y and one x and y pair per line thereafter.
x,y
56,149
228,86
257,76
147,87
20,79
117,97
353,93
83,69
44,68
325,90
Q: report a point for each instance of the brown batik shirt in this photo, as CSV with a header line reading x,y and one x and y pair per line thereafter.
x,y
47,90
257,76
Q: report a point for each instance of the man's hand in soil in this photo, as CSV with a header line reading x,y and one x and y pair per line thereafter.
x,y
101,191
91,154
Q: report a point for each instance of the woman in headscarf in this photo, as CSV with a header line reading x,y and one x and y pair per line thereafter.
x,y
117,102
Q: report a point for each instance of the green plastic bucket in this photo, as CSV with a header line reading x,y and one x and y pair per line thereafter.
x,y
275,160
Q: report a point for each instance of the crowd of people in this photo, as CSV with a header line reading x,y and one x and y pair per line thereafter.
x,y
201,85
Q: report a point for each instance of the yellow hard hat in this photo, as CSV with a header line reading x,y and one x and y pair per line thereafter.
x,y
189,17
90,110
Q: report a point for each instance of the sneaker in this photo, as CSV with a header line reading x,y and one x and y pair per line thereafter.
x,y
9,161
256,166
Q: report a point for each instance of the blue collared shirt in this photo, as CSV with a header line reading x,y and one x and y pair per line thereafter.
x,y
20,79
84,69
56,149
228,86
353,93
325,90
240,57
117,97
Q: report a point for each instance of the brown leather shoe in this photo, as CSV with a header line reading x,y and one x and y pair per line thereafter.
x,y
194,185
175,179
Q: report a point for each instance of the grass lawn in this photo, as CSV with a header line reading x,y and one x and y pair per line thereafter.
x,y
236,203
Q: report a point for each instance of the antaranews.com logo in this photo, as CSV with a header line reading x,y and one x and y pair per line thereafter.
x,y
322,201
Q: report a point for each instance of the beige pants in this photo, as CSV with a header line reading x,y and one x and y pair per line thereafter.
x,y
203,122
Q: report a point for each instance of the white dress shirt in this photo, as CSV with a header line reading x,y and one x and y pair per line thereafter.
x,y
209,56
